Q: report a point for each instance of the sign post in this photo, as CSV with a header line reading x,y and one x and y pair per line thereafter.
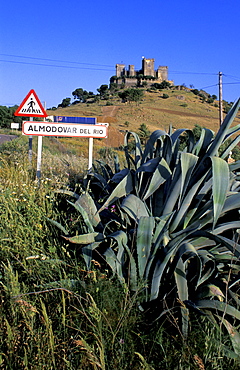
x,y
63,126
31,107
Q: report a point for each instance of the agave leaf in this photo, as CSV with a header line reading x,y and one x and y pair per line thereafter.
x,y
87,253
160,175
122,189
216,143
230,146
219,306
101,181
184,214
176,134
149,166
85,238
162,261
150,145
197,212
114,263
84,215
138,150
67,192
86,202
231,245
188,162
223,129
234,166
173,191
104,170
158,240
226,226
220,186
144,242
231,131
134,207
202,242
58,225
210,290
234,336
182,289
232,202
121,238
209,266
186,252
118,177
204,141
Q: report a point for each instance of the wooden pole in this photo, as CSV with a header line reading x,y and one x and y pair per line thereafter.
x,y
220,99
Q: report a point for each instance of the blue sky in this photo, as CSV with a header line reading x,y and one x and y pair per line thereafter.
x,y
57,46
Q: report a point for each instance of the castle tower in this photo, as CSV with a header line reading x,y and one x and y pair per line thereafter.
x,y
131,70
148,67
120,70
162,73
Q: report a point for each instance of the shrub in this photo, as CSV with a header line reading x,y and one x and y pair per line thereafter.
x,y
165,96
168,223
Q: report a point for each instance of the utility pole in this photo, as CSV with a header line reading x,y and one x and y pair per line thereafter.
x,y
220,99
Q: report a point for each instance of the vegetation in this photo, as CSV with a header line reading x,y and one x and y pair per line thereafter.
x,y
123,267
131,95
167,228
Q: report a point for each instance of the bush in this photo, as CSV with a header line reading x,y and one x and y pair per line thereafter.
x,y
165,96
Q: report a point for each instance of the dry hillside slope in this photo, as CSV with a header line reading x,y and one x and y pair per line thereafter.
x,y
182,109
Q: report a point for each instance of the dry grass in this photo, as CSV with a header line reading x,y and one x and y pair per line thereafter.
x,y
182,109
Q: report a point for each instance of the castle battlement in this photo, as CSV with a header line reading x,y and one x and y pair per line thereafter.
x,y
131,77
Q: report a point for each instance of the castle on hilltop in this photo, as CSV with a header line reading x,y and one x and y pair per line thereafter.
x,y
131,77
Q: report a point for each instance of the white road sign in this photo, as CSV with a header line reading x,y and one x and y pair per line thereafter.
x,y
64,129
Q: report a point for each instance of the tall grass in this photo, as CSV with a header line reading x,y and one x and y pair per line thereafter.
x,y
56,315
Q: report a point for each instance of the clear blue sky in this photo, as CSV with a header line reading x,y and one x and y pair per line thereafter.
x,y
56,46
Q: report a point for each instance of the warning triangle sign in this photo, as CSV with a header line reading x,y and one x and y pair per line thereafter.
x,y
31,106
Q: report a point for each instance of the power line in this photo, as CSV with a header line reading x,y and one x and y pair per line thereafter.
x,y
233,77
54,65
193,73
55,60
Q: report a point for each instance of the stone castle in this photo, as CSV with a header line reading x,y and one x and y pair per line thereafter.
x,y
131,77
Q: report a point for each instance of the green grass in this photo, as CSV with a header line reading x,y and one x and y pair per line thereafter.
x,y
56,315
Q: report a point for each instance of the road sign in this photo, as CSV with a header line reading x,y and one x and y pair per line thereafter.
x,y
85,120
31,106
15,125
64,129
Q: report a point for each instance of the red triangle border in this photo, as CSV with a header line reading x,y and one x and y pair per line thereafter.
x,y
44,114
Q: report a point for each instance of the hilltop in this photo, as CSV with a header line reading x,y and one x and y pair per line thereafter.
x,y
158,109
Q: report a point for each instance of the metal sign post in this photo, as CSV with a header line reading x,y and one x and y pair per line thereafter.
x,y
39,153
90,153
30,147
31,107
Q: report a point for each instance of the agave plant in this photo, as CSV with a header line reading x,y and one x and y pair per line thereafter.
x,y
169,222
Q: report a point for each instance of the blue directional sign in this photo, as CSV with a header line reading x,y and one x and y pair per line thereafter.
x,y
81,120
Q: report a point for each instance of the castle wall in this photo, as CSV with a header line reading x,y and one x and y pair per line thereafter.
x,y
128,79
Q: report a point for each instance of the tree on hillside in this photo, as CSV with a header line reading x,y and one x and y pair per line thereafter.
x,y
7,116
81,94
163,85
65,103
131,94
103,91
143,133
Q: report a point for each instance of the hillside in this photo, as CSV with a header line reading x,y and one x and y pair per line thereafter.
x,y
182,109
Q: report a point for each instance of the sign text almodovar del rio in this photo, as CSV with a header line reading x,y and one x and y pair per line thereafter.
x,y
68,130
